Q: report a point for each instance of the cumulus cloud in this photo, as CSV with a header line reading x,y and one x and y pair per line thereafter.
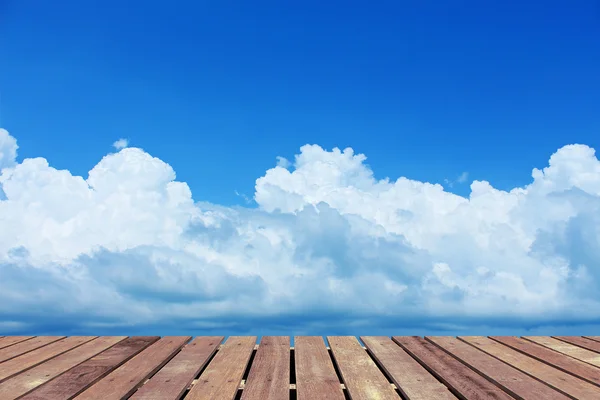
x,y
328,248
121,144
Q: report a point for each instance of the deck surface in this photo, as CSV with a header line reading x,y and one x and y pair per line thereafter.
x,y
344,367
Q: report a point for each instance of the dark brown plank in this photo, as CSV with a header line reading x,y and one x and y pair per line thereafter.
x,y
360,374
511,380
464,382
553,377
28,360
10,340
269,377
315,375
23,347
122,382
411,379
174,378
582,342
222,378
29,380
82,376
557,360
568,349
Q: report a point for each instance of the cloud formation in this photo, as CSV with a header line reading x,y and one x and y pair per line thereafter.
x,y
329,247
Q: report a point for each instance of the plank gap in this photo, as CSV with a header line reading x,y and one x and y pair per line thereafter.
x,y
292,366
384,373
247,371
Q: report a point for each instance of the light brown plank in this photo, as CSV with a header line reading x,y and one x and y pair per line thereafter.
x,y
462,380
553,377
359,372
77,379
174,378
570,350
123,381
411,379
23,347
315,375
10,340
557,360
511,380
582,342
222,378
269,377
596,338
28,360
27,381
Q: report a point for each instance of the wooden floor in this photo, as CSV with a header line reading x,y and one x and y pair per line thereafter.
x,y
176,367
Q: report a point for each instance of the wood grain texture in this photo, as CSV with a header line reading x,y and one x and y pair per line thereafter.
x,y
29,360
29,380
570,350
176,376
315,375
596,338
553,377
411,379
222,378
463,381
122,382
582,342
511,380
82,376
360,374
10,340
565,363
269,377
24,347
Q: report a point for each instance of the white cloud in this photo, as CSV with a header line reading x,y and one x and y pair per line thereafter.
x,y
121,144
328,246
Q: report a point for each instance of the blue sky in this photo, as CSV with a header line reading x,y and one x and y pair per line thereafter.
x,y
426,89
497,101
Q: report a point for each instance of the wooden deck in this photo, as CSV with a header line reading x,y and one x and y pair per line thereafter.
x,y
382,368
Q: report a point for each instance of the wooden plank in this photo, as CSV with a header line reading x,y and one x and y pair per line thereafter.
x,y
411,379
122,382
29,360
315,374
269,377
557,360
10,340
570,350
359,372
582,342
511,380
82,376
174,378
222,378
26,346
463,381
29,380
553,377
596,338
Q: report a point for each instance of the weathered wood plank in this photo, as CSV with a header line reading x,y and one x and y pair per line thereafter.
x,y
174,378
77,379
511,380
26,346
462,380
411,379
123,381
596,338
553,377
29,380
582,342
568,349
10,340
359,372
557,360
315,375
222,378
29,360
269,377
